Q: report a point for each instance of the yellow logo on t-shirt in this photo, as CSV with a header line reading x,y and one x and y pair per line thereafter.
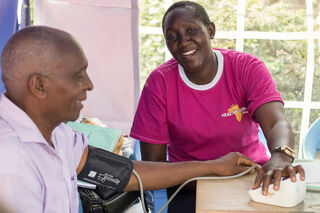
x,y
235,110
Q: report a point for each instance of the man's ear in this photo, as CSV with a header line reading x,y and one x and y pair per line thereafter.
x,y
212,30
38,85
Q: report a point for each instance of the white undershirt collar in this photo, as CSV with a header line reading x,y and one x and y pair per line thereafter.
x,y
210,84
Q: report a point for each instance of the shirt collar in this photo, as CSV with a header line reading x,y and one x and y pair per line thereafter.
x,y
211,84
26,129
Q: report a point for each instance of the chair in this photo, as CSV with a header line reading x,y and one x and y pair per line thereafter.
x,y
311,142
159,196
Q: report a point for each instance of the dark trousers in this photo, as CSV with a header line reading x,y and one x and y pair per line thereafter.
x,y
184,201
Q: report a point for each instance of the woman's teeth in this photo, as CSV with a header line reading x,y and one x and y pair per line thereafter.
x,y
191,52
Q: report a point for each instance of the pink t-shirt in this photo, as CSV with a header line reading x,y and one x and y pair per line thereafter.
x,y
203,122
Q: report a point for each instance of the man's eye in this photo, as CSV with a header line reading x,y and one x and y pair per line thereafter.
x,y
80,76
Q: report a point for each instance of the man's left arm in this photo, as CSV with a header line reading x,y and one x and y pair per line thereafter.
x,y
83,160
154,175
278,132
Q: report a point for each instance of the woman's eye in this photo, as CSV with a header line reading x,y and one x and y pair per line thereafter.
x,y
170,37
191,30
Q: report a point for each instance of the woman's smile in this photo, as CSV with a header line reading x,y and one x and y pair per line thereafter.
x,y
189,53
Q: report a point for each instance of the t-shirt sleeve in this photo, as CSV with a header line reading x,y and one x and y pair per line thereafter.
x,y
259,85
150,121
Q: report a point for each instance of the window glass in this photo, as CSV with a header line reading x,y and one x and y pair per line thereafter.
x,y
314,115
31,11
294,116
316,14
224,43
275,15
152,54
286,60
316,77
151,12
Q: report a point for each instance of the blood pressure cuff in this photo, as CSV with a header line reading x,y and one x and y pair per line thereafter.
x,y
106,169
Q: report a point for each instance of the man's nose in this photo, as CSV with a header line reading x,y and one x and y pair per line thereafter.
x,y
88,83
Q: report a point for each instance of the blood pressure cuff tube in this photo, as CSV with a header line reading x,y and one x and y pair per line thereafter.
x,y
106,169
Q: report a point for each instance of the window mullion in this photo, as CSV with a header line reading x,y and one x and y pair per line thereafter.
x,y
309,76
240,25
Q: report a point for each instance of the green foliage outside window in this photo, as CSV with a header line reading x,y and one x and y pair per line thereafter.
x,y
31,11
316,15
286,60
151,12
316,77
152,54
295,115
314,115
275,15
222,13
224,43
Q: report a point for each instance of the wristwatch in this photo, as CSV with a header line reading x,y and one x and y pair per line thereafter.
x,y
286,150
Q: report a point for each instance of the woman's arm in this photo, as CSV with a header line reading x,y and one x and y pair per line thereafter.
x,y
278,132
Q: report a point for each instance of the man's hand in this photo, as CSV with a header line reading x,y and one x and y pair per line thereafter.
x,y
233,163
277,167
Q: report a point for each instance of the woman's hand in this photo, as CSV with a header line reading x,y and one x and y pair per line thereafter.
x,y
277,167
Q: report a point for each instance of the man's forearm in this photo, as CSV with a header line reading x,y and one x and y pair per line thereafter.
x,y
156,175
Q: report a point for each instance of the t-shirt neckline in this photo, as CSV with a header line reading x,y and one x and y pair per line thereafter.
x,y
210,84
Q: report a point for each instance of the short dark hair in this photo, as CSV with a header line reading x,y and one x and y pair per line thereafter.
x,y
28,52
198,10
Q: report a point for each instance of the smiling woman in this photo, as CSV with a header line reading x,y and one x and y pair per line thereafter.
x,y
188,40
206,102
